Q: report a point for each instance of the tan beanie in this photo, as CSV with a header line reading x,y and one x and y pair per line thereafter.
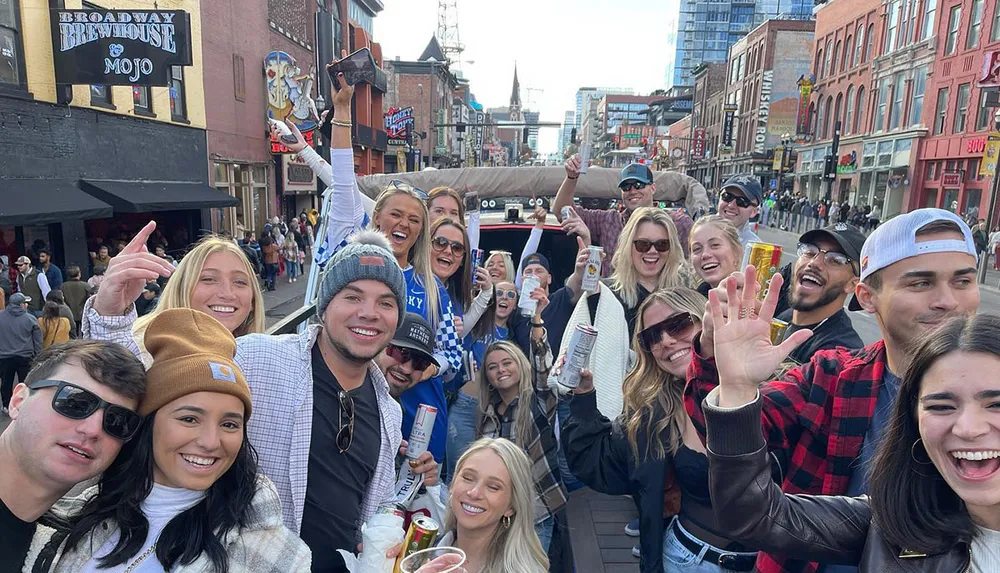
x,y
192,352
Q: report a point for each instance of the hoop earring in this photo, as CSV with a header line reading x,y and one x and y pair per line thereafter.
x,y
505,521
914,455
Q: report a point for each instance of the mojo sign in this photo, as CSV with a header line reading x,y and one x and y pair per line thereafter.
x,y
119,47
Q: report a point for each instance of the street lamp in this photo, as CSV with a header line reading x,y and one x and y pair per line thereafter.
x,y
993,197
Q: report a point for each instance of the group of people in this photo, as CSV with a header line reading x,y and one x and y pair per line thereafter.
x,y
282,249
740,450
797,213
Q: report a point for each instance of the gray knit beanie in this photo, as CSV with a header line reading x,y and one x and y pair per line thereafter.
x,y
367,256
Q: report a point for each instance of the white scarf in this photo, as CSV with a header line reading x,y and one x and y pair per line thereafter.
x,y
611,358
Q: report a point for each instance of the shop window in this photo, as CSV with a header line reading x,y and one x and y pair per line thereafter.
x,y
950,200
931,198
973,198
868,155
929,170
961,108
972,173
884,153
901,151
937,170
142,99
951,40
178,99
975,25
941,114
11,42
100,95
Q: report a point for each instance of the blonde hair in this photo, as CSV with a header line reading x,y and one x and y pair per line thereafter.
x,y
525,391
514,548
508,264
654,399
420,253
177,292
625,279
442,191
729,233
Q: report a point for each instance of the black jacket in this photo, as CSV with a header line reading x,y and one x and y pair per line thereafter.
x,y
750,507
600,456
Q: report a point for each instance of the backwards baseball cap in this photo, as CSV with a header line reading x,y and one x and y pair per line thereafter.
x,y
537,259
415,334
748,184
848,238
636,172
896,240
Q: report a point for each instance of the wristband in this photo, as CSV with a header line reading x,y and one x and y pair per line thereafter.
x,y
537,324
568,177
339,123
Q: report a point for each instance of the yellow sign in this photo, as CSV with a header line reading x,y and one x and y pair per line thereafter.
x,y
400,161
988,166
779,155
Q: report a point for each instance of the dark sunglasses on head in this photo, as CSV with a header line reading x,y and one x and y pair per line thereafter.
x,y
510,293
76,403
345,435
675,326
439,244
741,202
832,258
404,355
643,245
629,185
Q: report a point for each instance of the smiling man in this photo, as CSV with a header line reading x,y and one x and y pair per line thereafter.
x,y
61,434
823,420
824,275
739,201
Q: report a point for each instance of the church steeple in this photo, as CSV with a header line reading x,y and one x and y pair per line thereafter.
x,y
515,98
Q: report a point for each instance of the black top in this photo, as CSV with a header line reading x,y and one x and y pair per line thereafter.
x,y
631,314
831,333
337,482
691,469
15,538
555,316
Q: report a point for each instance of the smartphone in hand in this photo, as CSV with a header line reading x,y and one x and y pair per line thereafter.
x,y
357,67
284,134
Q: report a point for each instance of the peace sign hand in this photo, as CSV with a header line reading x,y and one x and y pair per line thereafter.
x,y
127,274
744,354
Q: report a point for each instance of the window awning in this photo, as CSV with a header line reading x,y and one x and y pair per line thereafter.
x,y
43,201
149,196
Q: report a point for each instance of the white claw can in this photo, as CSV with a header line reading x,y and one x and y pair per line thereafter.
x,y
525,302
592,274
420,434
567,212
581,343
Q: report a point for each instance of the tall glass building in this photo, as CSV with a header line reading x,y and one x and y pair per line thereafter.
x,y
707,28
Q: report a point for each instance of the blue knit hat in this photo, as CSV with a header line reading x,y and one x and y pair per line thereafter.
x,y
367,256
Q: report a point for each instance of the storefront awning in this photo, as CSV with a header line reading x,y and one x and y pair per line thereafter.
x,y
149,196
43,201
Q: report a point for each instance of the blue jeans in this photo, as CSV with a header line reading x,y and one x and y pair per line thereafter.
x,y
568,479
676,557
461,431
544,531
293,269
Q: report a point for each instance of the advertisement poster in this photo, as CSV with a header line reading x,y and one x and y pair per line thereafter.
x,y
796,61
802,115
289,95
988,166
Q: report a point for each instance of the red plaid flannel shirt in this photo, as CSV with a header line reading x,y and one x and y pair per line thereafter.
x,y
606,225
814,420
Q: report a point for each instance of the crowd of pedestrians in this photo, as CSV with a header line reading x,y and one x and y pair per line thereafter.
x,y
797,213
217,447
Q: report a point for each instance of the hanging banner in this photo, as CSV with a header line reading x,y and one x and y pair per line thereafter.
x,y
988,166
480,120
289,95
727,124
802,117
698,149
763,112
398,123
119,47
779,156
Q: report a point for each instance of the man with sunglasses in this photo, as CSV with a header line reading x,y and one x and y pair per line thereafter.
x,y
637,188
824,275
739,201
69,419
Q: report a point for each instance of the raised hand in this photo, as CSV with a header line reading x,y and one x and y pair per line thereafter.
x,y
300,142
574,225
342,97
539,216
483,280
572,166
127,274
744,354
707,339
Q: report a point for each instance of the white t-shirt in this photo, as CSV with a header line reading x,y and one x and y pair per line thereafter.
x,y
985,551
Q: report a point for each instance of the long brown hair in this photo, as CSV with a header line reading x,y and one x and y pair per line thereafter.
x,y
654,399
525,391
459,285
912,504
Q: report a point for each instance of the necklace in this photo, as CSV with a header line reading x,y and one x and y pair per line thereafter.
x,y
141,558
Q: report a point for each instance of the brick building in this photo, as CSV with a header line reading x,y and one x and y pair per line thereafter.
x,y
706,113
956,114
762,82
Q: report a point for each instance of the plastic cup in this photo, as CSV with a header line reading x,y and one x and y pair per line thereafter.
x,y
415,562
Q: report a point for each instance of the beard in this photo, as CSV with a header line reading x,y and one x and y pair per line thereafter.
x,y
829,295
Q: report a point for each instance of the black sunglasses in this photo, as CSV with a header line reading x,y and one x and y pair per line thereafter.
x,y
675,326
345,435
439,244
741,202
643,245
629,185
403,186
76,403
404,355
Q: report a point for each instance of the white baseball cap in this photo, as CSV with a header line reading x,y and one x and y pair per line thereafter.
x,y
896,240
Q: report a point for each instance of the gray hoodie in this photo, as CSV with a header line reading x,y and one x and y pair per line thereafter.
x,y
20,334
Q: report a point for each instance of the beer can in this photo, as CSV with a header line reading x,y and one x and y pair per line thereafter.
x,y
391,508
567,212
778,328
420,434
592,274
525,302
766,258
581,343
421,534
477,261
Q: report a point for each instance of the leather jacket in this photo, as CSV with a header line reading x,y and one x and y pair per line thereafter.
x,y
751,508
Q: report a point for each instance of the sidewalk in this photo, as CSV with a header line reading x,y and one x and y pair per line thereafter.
x,y
285,298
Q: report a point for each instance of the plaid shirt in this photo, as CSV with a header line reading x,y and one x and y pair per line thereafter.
x,y
815,420
550,493
278,370
606,225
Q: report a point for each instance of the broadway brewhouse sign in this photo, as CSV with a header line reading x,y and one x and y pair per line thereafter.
x,y
119,47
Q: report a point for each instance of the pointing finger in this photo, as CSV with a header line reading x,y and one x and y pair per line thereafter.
x,y
140,238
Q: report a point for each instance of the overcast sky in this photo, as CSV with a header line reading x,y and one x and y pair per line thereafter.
x,y
559,46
